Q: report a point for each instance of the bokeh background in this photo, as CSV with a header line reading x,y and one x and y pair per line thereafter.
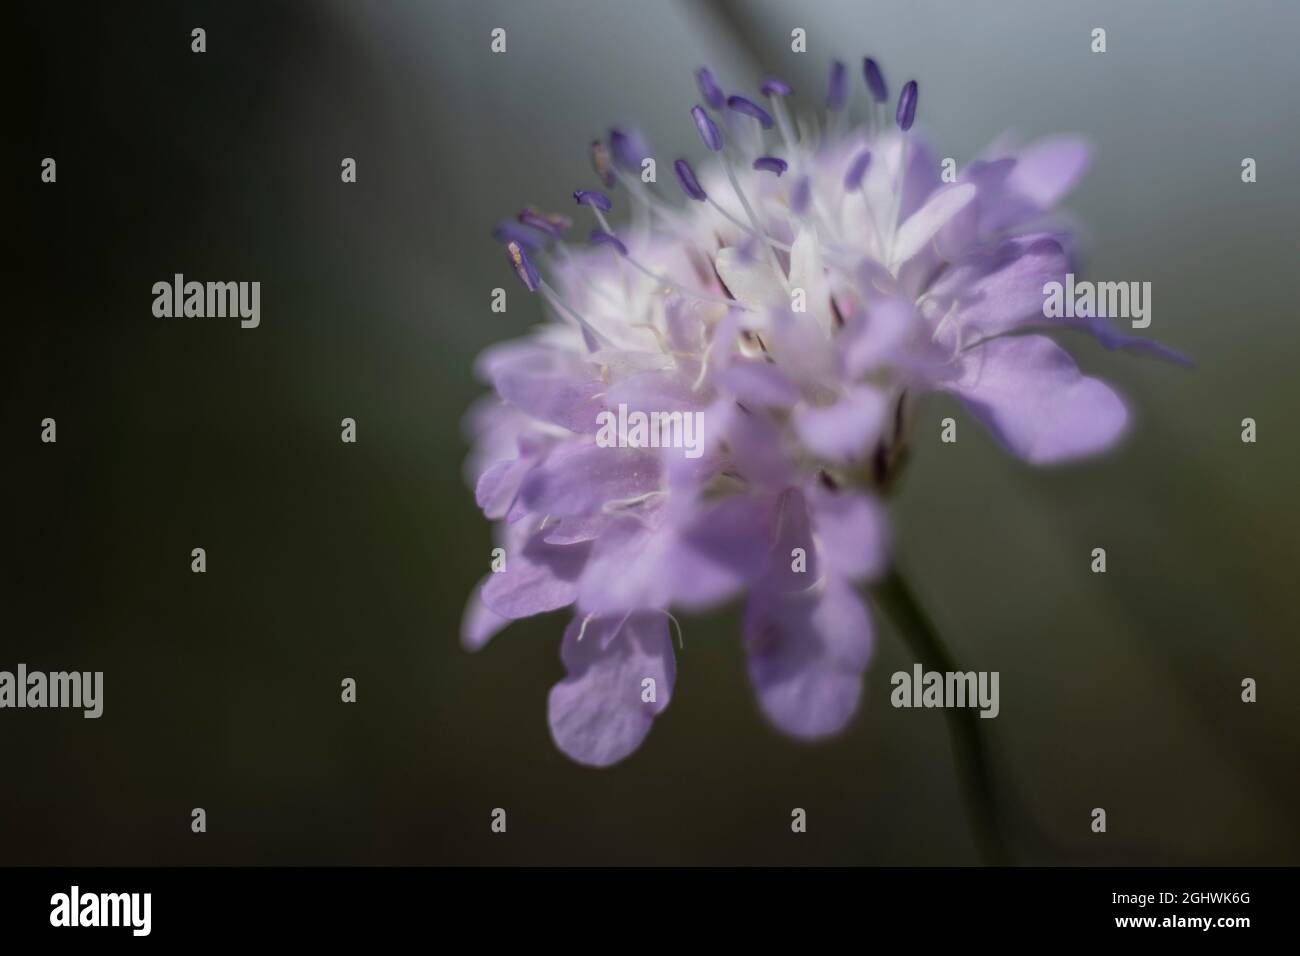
x,y
328,561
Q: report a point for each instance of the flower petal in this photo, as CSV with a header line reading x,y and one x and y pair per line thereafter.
x,y
787,571
755,382
1000,288
580,477
808,273
1048,169
845,431
550,385
1032,396
480,623
694,557
807,653
538,576
875,337
598,714
750,278
925,223
851,529
721,549
497,487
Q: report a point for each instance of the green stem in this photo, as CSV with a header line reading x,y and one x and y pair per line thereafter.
x,y
893,594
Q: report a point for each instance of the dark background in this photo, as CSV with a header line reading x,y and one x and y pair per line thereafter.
x,y
328,560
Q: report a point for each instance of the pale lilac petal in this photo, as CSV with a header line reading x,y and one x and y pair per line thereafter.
x,y
807,653
656,391
922,179
809,274
963,231
598,714
498,486
629,565
755,444
940,207
720,550
1032,396
788,571
1000,288
550,385
493,429
852,530
879,335
845,431
803,350
756,382
629,362
538,576
1048,169
480,623
751,279
579,477
660,558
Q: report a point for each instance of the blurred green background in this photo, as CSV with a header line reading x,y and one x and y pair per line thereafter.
x,y
328,560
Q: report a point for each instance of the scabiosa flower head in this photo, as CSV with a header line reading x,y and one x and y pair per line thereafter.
x,y
726,389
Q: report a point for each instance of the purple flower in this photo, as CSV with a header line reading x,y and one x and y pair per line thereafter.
x,y
717,411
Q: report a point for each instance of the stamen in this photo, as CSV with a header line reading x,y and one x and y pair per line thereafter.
x,y
590,337
800,194
600,162
600,218
753,221
606,237
837,94
857,169
775,86
906,113
581,273
707,129
747,106
776,89
508,231
771,164
690,185
583,629
681,645
627,150
600,237
523,266
709,89
905,116
647,199
553,224
875,80
687,293
593,198
876,84
608,230
745,226
837,89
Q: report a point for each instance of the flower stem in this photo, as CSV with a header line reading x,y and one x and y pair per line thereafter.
x,y
895,596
